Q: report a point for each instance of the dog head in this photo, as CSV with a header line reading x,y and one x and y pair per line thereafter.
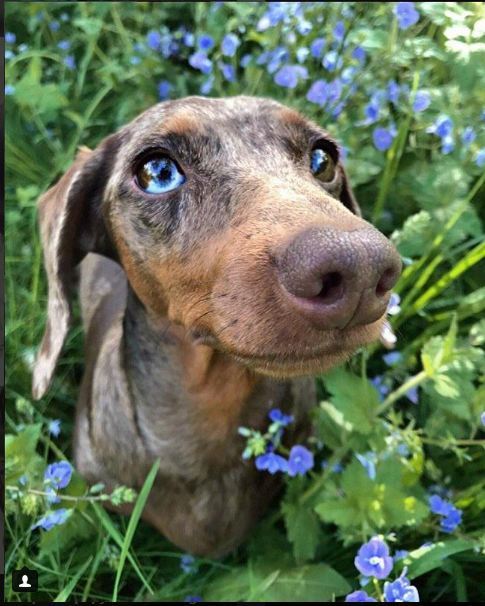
x,y
233,218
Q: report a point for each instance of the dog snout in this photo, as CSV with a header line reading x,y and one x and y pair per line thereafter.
x,y
337,278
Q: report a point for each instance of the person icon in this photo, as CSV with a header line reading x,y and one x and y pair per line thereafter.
x,y
25,581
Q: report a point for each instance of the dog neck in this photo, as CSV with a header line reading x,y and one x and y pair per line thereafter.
x,y
187,394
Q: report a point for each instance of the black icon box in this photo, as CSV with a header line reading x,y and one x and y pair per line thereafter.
x,y
25,580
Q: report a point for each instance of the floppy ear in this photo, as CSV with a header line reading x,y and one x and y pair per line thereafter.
x,y
347,195
71,225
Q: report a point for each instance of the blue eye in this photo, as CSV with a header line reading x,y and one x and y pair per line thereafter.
x,y
322,165
159,175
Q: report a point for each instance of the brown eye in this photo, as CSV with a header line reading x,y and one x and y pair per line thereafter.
x,y
322,165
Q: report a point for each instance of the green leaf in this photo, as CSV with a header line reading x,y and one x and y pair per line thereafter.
x,y
354,397
20,454
303,530
76,529
422,560
63,596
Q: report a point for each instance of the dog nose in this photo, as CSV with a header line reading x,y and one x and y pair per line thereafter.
x,y
337,278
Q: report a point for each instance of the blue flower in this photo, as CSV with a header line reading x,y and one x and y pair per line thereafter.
x,y
52,496
9,89
318,92
276,58
54,518
468,136
201,62
58,474
393,91
54,427
442,127
70,62
54,26
10,38
371,112
447,144
348,74
412,395
163,90
188,39
439,505
393,357
9,54
339,31
187,563
229,45
334,91
205,42
449,523
406,14
135,60
304,27
300,461
277,416
373,559
331,61
382,138
401,554
289,75
271,462
302,54
379,384
400,590
480,158
316,47
482,418
393,307
206,86
228,71
368,461
359,596
245,60
192,599
154,39
422,101
359,54
64,45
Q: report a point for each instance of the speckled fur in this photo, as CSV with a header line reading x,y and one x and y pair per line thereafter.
x,y
187,335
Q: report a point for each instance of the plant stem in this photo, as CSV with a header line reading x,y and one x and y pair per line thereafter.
x,y
405,387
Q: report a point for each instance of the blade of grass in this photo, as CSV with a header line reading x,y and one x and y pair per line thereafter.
x,y
133,523
66,592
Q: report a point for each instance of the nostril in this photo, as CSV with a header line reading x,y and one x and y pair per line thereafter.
x,y
332,287
386,282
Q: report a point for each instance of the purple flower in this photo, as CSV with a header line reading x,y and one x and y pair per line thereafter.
x,y
54,427
206,42
64,45
54,518
300,461
154,39
277,416
393,357
382,138
359,596
10,38
406,14
229,45
368,461
58,474
422,101
316,47
373,559
318,93
480,157
187,563
447,144
468,136
9,89
289,75
228,71
339,31
331,61
163,90
206,86
379,384
412,395
400,590
201,62
70,62
271,462
359,54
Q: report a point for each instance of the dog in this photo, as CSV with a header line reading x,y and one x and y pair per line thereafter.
x,y
223,263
